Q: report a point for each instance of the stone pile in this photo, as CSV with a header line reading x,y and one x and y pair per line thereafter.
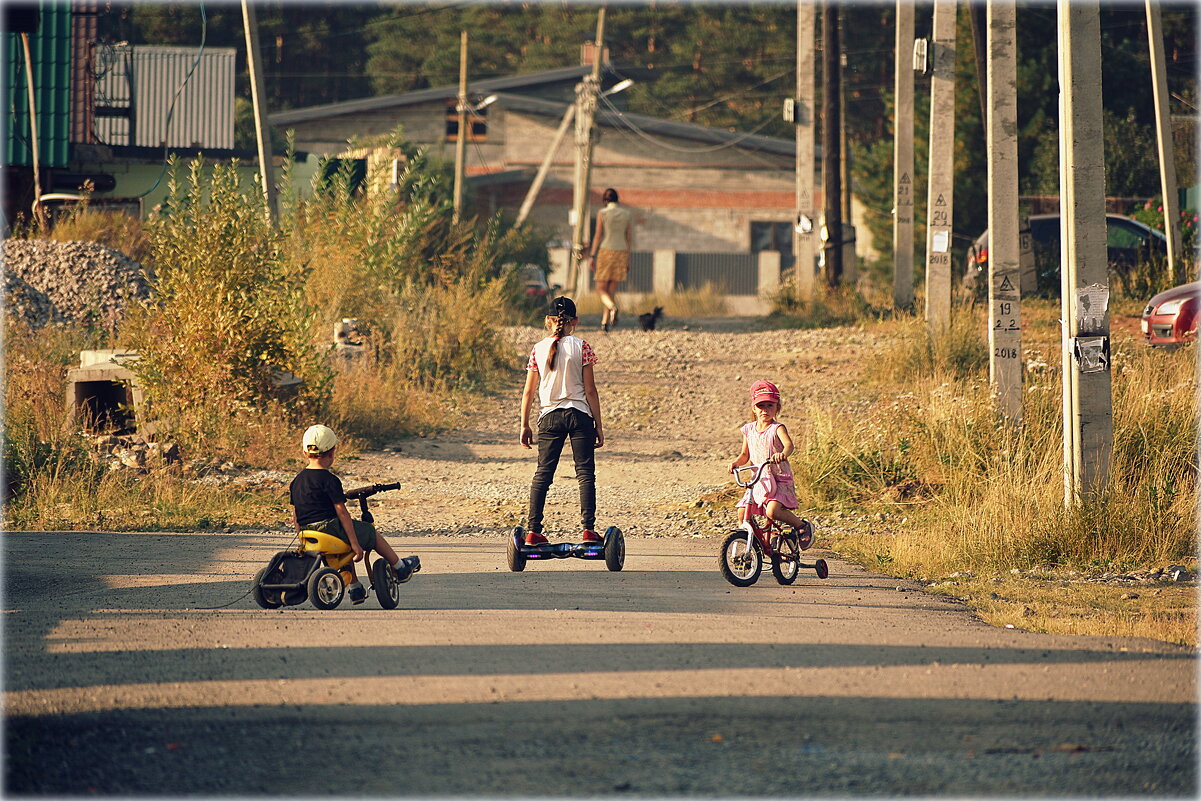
x,y
131,452
81,282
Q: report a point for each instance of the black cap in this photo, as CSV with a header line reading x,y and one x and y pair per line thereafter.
x,y
564,307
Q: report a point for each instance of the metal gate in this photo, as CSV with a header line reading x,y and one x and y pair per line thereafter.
x,y
731,273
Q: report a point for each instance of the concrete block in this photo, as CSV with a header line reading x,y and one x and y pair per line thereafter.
x,y
663,272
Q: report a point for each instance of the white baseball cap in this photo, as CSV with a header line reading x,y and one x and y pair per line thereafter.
x,y
319,439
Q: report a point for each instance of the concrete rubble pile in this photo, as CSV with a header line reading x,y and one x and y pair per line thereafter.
x,y
49,282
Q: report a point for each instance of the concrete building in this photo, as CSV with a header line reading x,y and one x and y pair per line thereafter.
x,y
693,189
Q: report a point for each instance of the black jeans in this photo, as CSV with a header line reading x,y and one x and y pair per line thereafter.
x,y
553,429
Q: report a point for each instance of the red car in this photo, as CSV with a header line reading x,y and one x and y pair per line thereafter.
x,y
1171,317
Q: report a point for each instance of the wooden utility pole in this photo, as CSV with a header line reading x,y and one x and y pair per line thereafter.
x,y
850,272
1004,248
258,94
803,229
544,167
585,124
1088,400
831,139
942,168
1163,138
902,162
461,139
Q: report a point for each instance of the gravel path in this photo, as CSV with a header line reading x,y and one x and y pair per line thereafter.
x,y
671,400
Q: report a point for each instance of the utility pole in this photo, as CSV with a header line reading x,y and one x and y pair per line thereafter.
x,y
802,229
1004,248
1088,399
831,139
1163,138
942,168
585,123
544,168
258,94
850,272
902,162
461,139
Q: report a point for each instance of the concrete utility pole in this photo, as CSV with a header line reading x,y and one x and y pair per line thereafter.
x,y
831,139
802,229
942,167
585,124
1163,137
1088,400
258,94
1004,248
461,139
902,162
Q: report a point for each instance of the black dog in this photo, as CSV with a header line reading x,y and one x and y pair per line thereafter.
x,y
649,319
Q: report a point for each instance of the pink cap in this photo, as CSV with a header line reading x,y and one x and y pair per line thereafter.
x,y
764,391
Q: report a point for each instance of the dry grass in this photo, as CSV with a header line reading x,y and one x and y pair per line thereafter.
x,y
707,301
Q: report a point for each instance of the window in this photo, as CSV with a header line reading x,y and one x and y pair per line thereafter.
x,y
775,236
477,123
1118,235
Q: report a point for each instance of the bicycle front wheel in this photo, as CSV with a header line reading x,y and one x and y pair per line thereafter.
x,y
740,564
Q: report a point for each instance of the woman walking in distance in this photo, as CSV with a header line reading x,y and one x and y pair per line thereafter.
x,y
611,253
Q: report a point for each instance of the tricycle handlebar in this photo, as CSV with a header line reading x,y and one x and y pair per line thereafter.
x,y
371,489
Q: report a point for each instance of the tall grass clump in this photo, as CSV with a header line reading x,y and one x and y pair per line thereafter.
x,y
829,306
982,494
40,436
228,316
431,294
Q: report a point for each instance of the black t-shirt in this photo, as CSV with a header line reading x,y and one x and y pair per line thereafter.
x,y
314,493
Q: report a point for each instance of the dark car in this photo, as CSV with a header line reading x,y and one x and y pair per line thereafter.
x,y
1128,242
1170,319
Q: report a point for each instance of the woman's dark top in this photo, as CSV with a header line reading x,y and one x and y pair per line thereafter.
x,y
314,493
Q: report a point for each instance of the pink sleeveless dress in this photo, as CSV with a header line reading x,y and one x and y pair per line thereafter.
x,y
776,484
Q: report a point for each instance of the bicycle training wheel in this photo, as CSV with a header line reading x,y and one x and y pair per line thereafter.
x,y
739,564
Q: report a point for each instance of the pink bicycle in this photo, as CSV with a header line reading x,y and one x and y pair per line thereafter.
x,y
743,552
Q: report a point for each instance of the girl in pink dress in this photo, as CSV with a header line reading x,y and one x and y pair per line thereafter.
x,y
765,440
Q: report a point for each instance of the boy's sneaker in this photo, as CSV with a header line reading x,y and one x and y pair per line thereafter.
x,y
357,593
406,567
805,535
534,538
592,536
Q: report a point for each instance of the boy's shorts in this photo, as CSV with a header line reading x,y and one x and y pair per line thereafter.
x,y
364,532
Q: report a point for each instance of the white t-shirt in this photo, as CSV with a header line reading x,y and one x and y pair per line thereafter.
x,y
563,387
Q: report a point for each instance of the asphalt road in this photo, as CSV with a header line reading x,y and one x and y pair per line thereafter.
x,y
565,680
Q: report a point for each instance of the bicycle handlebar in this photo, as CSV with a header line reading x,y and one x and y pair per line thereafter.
x,y
371,489
758,474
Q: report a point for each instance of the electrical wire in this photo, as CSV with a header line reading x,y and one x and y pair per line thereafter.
x,y
171,110
722,146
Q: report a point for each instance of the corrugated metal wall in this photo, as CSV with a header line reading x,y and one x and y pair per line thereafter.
x,y
145,79
735,273
641,277
50,51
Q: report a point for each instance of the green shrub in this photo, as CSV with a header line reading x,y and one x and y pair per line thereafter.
x,y
227,317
